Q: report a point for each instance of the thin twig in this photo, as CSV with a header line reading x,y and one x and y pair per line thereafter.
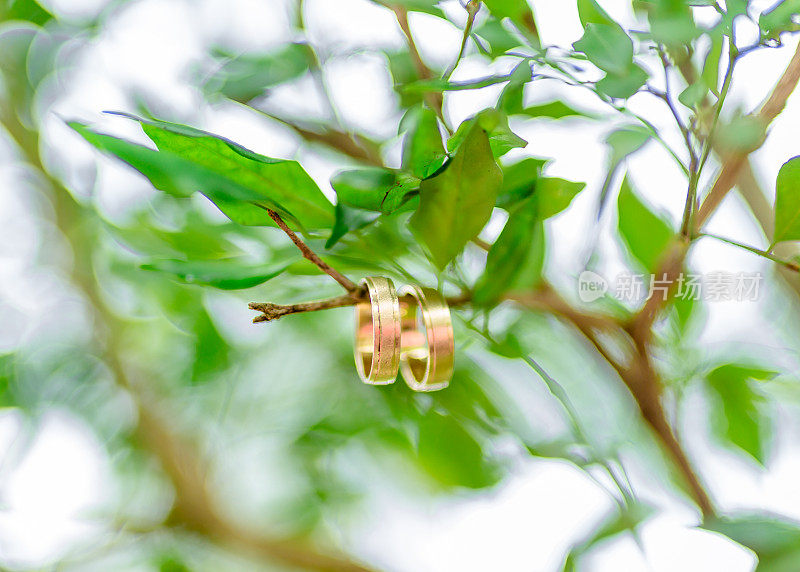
x,y
472,7
309,254
793,266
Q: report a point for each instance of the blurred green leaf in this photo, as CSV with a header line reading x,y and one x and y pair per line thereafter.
x,y
693,95
624,85
516,259
736,415
425,6
349,219
519,181
671,21
495,124
511,99
451,455
6,382
456,203
623,520
608,47
519,12
374,188
554,195
590,12
423,149
645,233
787,202
784,17
775,540
211,351
441,84
626,141
710,73
247,76
230,274
741,134
553,110
24,10
500,39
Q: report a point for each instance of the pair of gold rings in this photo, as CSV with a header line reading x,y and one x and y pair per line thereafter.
x,y
409,330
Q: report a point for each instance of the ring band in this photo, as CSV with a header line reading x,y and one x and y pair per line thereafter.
x,y
377,344
426,357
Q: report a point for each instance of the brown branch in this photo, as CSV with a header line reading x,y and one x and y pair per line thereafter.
x,y
309,254
271,312
734,163
434,100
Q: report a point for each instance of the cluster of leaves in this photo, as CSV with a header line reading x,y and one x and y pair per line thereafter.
x,y
424,213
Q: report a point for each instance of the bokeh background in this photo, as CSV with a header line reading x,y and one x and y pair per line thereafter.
x,y
481,477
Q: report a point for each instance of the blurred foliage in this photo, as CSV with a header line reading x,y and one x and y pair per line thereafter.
x,y
161,285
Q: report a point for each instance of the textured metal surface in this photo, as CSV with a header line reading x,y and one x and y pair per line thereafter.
x,y
426,358
377,343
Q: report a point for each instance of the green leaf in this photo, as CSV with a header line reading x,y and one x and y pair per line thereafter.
x,y
671,21
423,149
553,110
283,183
440,84
693,95
519,181
349,219
626,141
516,259
624,85
424,6
452,456
590,12
646,234
456,203
787,202
775,540
554,195
623,520
495,124
512,98
607,47
226,274
247,76
519,12
737,418
24,10
742,134
784,17
374,189
710,72
499,38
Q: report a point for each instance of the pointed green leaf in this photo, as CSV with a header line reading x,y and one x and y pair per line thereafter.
x,y
247,76
519,181
456,203
784,17
225,274
737,417
516,259
495,123
624,85
554,195
590,12
423,149
373,188
646,234
775,540
607,47
787,202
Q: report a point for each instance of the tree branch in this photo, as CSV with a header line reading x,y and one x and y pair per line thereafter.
x,y
309,254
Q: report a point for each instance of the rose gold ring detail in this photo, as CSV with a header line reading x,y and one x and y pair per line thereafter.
x,y
377,347
428,349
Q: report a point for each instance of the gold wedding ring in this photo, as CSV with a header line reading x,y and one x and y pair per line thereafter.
x,y
377,350
427,354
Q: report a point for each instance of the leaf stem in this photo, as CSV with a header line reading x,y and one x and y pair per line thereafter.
x,y
472,7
